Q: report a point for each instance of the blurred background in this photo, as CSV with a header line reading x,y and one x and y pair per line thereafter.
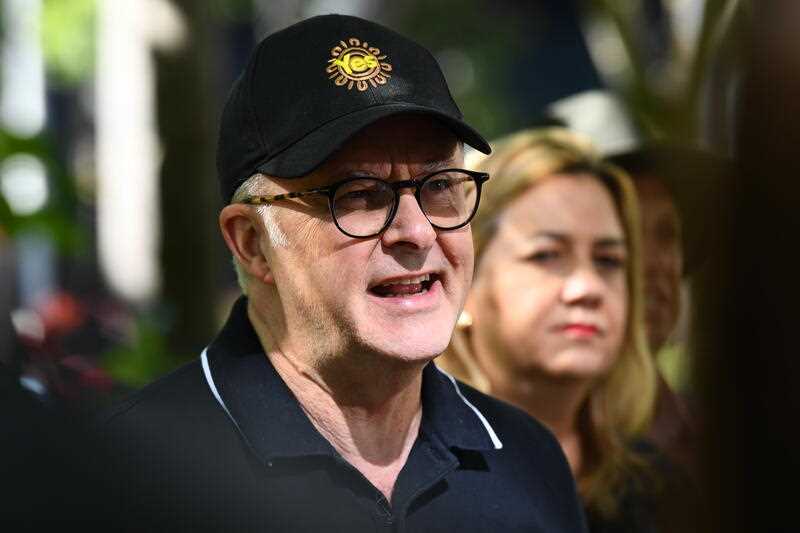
x,y
113,271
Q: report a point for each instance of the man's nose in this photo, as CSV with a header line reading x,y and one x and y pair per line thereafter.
x,y
410,225
583,286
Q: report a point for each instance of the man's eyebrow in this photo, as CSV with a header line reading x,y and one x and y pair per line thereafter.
x,y
432,165
350,169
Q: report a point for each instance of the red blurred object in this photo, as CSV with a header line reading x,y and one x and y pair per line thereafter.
x,y
61,312
63,338
88,375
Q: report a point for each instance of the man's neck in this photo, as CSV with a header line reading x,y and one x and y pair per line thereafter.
x,y
370,413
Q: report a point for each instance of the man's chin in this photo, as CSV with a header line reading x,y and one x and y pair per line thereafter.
x,y
411,347
410,337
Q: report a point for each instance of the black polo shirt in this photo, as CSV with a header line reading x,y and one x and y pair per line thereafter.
x,y
223,444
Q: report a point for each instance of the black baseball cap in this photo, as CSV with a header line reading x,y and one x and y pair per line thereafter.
x,y
309,88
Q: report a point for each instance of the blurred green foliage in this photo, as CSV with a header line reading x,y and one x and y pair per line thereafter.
x,y
68,42
143,358
676,366
231,9
68,39
674,113
486,36
57,218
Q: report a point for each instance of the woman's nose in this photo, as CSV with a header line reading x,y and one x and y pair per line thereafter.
x,y
583,286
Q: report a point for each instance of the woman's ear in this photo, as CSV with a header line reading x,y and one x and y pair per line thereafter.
x,y
478,298
243,230
465,319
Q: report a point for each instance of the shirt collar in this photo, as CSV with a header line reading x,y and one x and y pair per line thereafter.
x,y
272,422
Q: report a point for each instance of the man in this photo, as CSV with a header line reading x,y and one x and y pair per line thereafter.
x,y
679,200
317,407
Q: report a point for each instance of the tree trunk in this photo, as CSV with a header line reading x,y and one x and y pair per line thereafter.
x,y
190,245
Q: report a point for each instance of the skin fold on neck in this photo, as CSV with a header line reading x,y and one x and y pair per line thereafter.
x,y
370,416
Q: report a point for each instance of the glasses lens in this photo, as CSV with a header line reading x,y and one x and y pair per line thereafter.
x,y
449,198
362,206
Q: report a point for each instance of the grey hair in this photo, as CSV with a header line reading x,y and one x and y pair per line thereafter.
x,y
255,185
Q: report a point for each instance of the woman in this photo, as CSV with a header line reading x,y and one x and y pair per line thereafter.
x,y
553,323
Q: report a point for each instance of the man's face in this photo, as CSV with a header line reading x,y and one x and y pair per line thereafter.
x,y
397,294
663,259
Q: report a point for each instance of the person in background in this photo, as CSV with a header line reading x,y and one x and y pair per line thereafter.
x,y
678,191
554,320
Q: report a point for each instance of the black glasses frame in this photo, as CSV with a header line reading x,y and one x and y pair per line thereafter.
x,y
396,186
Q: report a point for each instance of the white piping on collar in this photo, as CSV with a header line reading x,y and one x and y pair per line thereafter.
x,y
213,387
492,435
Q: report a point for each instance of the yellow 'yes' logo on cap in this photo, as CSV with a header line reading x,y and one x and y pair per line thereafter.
x,y
357,64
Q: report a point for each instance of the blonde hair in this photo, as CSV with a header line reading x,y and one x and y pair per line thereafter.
x,y
619,407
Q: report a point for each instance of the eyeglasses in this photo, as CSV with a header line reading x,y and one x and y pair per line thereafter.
x,y
364,207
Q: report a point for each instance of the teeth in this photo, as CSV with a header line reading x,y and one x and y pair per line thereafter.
x,y
403,287
411,281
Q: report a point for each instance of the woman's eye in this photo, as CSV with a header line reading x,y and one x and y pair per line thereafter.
x,y
610,262
544,256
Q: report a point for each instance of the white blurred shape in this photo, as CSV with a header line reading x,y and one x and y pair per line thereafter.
x,y
600,116
33,384
687,18
27,323
128,151
361,8
22,96
166,27
607,49
23,178
23,182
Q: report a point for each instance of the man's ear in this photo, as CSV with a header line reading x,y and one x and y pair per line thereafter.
x,y
243,231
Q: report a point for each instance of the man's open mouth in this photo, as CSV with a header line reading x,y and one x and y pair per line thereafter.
x,y
404,287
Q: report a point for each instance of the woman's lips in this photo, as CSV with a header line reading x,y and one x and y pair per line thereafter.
x,y
580,330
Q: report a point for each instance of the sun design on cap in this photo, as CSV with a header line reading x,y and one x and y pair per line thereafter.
x,y
357,64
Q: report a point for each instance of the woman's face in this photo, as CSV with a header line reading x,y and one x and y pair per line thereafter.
x,y
550,295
